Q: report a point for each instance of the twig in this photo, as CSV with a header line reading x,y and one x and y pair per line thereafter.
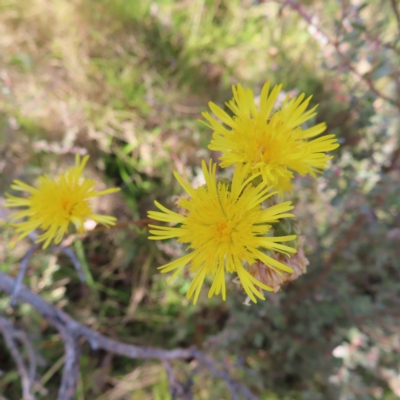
x,y
23,338
22,271
9,334
177,389
141,223
70,373
233,386
74,259
366,78
396,13
71,331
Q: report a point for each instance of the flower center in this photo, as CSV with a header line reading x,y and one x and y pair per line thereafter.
x,y
222,231
67,205
270,151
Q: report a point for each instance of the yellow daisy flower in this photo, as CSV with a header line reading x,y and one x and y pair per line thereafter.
x,y
270,141
226,228
55,203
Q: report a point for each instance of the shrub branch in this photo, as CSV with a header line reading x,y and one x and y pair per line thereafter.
x,y
71,331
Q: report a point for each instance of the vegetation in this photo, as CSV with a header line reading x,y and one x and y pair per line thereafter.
x,y
126,82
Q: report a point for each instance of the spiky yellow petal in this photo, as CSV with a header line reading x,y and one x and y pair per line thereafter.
x,y
271,142
225,229
56,203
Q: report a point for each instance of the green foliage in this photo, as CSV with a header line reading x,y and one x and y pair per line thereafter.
x,y
127,81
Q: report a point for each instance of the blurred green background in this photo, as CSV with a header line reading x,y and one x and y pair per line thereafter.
x,y
126,81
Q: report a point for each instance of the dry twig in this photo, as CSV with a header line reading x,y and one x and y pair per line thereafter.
x,y
22,271
177,389
74,259
396,13
366,78
71,331
27,375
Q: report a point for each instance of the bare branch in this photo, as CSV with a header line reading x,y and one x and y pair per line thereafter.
x,y
346,62
22,271
177,389
9,334
74,259
71,331
25,262
396,13
70,373
23,338
233,386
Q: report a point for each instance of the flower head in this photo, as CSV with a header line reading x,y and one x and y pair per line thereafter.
x,y
275,279
55,203
226,229
270,141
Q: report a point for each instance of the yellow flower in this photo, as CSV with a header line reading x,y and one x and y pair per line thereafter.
x,y
270,141
276,279
55,203
226,228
